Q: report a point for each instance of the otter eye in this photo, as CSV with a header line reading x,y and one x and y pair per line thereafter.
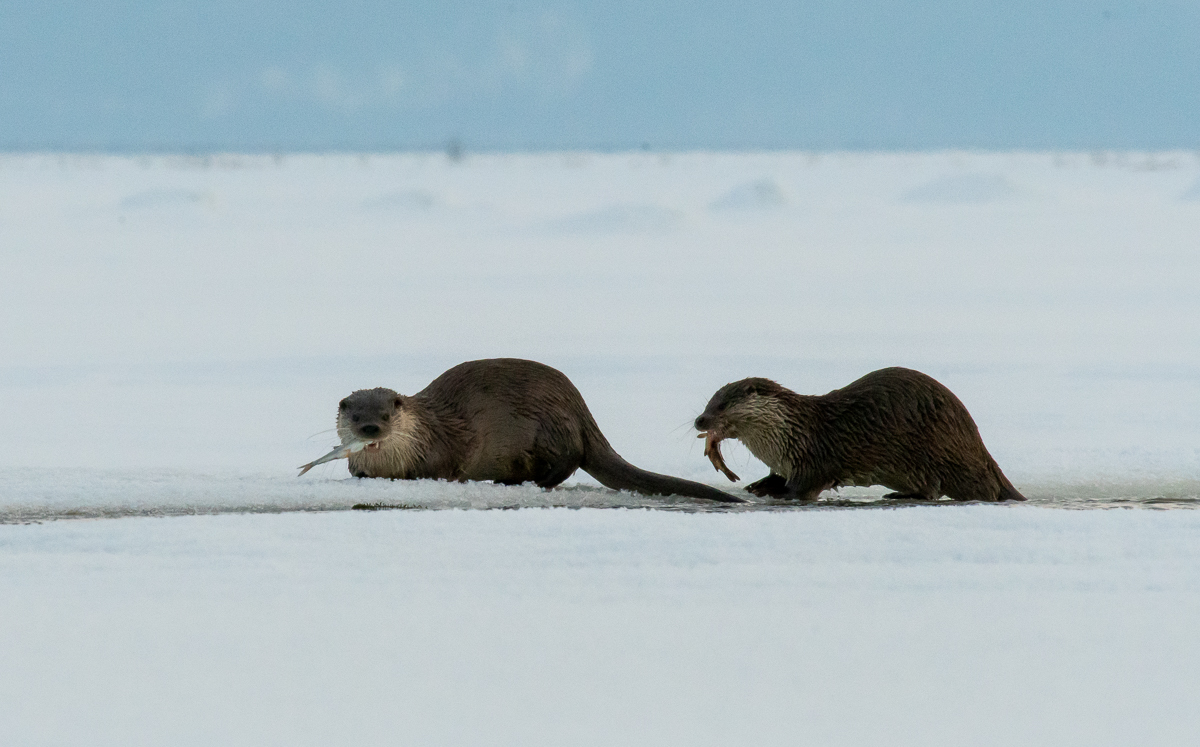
x,y
354,418
386,417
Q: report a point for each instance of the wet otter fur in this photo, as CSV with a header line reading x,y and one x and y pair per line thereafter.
x,y
894,427
505,420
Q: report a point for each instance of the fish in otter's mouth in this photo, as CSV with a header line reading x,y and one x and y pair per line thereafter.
x,y
342,452
712,450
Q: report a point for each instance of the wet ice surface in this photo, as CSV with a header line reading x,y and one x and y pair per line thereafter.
x,y
30,495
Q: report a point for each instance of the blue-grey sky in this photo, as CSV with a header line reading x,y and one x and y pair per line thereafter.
x,y
365,74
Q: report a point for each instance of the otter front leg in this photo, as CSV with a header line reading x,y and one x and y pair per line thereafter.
x,y
772,485
776,486
804,490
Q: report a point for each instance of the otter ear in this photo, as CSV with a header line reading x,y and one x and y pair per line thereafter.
x,y
399,402
343,405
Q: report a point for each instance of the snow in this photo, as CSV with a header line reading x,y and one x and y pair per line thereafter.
x,y
176,333
918,626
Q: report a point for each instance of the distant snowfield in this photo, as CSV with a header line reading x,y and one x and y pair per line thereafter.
x,y
175,334
208,313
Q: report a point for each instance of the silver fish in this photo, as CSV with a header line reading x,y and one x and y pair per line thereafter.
x,y
340,452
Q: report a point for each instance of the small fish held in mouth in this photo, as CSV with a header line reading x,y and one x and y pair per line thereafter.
x,y
712,450
341,452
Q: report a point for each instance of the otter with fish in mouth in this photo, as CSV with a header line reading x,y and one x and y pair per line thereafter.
x,y
505,420
894,427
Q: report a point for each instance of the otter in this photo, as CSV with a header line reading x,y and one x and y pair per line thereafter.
x,y
505,420
894,427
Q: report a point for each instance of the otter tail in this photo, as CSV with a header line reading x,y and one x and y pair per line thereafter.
x,y
1007,491
602,462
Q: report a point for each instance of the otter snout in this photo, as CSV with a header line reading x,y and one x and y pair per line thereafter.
x,y
371,431
715,425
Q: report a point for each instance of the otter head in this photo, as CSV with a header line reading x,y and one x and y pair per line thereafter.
x,y
740,407
751,411
369,415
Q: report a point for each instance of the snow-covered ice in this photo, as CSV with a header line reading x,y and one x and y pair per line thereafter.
x,y
974,625
175,333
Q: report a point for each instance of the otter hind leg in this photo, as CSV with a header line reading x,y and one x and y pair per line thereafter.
x,y
537,466
519,469
555,473
909,488
771,485
907,497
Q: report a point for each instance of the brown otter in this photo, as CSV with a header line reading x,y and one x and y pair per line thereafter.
x,y
505,420
894,427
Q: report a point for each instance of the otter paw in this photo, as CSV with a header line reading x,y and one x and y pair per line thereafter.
x,y
770,486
